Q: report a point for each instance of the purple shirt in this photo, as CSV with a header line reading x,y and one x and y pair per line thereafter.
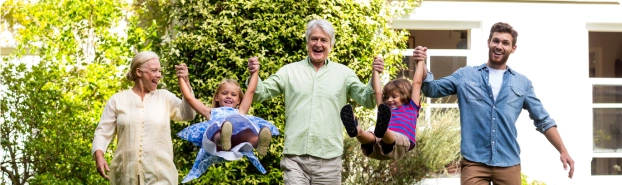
x,y
404,120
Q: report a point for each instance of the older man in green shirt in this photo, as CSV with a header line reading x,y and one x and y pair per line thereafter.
x,y
315,89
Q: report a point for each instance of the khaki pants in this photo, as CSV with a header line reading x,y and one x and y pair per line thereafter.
x,y
402,144
480,174
306,169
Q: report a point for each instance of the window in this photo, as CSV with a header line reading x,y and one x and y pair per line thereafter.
x,y
447,52
605,73
449,48
607,166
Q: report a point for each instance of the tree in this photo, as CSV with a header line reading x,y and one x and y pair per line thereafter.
x,y
51,107
215,39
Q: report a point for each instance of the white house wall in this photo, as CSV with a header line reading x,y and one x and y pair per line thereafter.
x,y
552,50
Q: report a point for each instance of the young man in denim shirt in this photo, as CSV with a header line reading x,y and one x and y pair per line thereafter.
x,y
491,97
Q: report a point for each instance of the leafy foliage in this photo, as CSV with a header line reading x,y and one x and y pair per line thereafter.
x,y
52,104
524,181
215,39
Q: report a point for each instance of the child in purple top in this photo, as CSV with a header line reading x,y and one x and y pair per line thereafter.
x,y
396,123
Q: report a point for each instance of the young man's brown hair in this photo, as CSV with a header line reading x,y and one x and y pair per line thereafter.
x,y
502,27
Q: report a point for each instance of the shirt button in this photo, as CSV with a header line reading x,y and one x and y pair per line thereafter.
x,y
493,130
493,142
493,118
494,107
488,84
491,95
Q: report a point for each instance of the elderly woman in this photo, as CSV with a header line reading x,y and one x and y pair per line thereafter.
x,y
140,117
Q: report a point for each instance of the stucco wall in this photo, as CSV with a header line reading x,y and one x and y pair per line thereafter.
x,y
552,50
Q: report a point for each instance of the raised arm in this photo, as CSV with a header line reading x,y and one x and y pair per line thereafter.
x,y
420,54
186,91
368,94
435,88
247,101
377,85
415,95
272,86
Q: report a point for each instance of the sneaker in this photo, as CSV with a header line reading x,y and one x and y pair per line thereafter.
x,y
263,143
347,117
225,136
382,120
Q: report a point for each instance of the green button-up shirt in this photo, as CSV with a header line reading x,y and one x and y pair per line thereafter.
x,y
312,104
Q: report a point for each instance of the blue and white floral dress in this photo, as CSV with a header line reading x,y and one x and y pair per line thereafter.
x,y
201,133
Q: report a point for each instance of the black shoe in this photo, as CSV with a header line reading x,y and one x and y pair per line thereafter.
x,y
347,117
382,121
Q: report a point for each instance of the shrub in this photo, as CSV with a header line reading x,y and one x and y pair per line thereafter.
x,y
438,146
524,181
215,39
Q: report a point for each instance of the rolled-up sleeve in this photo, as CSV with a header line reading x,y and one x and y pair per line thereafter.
x,y
271,87
429,77
361,93
541,118
442,87
106,128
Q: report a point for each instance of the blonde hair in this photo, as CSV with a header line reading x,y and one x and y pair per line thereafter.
x,y
138,60
215,104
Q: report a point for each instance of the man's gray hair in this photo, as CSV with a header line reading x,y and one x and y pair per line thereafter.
x,y
323,24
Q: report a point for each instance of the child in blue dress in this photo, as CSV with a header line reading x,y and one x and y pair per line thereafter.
x,y
228,125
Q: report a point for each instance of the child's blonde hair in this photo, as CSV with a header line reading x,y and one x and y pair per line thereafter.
x,y
401,86
215,104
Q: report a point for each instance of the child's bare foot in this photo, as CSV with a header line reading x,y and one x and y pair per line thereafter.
x,y
263,143
347,117
225,135
382,120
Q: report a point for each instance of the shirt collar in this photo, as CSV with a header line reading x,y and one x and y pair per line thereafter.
x,y
483,66
308,59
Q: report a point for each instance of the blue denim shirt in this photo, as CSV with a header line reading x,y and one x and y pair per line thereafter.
x,y
487,126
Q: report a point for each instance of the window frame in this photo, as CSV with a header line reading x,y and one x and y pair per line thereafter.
x,y
472,53
601,27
